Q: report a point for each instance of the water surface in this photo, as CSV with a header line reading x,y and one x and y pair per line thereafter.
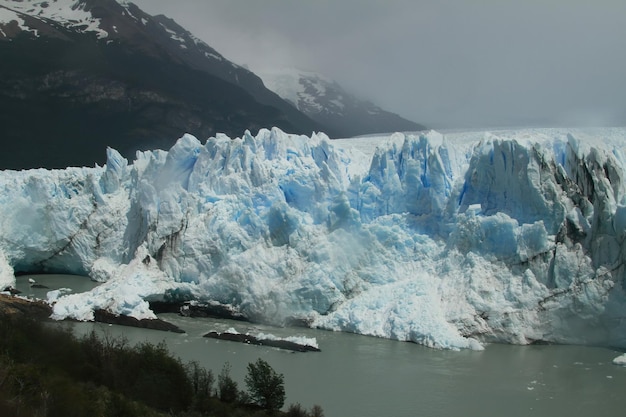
x,y
359,376
72,283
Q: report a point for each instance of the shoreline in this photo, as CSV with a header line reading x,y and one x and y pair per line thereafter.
x,y
12,305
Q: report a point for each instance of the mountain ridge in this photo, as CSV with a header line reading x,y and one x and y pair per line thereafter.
x,y
87,74
327,102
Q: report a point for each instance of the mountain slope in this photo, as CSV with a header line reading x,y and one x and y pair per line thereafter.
x,y
326,102
79,75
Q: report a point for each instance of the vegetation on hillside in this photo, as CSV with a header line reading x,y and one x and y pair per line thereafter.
x,y
46,371
266,387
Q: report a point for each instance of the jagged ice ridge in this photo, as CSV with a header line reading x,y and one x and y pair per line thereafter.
x,y
448,241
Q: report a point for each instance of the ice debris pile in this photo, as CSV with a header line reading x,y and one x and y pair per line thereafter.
x,y
448,241
620,360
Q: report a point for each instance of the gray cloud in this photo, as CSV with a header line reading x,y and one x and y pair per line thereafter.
x,y
446,63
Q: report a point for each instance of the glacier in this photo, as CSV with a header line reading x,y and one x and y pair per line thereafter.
x,y
448,240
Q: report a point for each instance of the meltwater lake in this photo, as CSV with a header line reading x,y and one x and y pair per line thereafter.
x,y
359,376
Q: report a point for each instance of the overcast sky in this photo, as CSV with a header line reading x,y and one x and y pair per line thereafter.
x,y
444,63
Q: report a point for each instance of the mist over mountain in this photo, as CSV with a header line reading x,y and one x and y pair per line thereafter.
x,y
77,76
328,103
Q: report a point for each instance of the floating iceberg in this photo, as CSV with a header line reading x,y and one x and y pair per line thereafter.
x,y
620,360
444,240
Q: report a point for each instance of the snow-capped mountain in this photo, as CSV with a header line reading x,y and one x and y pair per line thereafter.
x,y
84,74
326,102
449,241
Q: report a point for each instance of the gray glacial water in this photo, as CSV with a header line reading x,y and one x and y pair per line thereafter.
x,y
364,376
359,376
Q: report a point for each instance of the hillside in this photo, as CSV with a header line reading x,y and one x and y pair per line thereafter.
x,y
77,76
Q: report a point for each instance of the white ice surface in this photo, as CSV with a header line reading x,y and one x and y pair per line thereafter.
x,y
300,340
620,360
448,240
7,279
125,292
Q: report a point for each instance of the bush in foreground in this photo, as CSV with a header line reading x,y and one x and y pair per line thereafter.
x,y
266,387
46,371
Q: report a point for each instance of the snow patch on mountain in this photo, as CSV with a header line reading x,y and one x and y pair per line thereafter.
x,y
70,13
325,101
448,240
284,83
8,16
304,89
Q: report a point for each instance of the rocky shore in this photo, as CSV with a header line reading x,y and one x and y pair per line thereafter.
x,y
11,306
17,306
253,340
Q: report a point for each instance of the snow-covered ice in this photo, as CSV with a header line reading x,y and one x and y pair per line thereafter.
x,y
299,340
620,360
448,240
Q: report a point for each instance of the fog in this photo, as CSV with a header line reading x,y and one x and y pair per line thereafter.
x,y
451,63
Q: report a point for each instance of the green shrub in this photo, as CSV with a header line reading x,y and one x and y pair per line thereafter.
x,y
158,379
266,387
201,381
316,411
296,410
227,390
46,370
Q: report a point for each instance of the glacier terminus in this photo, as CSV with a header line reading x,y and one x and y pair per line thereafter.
x,y
447,240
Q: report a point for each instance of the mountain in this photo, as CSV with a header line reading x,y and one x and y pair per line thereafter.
x,y
448,241
326,102
79,75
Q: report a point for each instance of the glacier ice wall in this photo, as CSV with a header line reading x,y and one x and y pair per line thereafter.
x,y
445,240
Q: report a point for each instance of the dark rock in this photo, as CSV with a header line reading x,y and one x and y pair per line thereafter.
x,y
252,340
197,309
104,316
41,310
159,307
214,310
13,291
35,309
